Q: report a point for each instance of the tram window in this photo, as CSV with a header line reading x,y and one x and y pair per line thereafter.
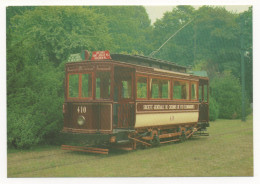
x,y
127,88
166,89
200,93
193,91
180,90
102,85
74,85
86,85
205,93
160,88
142,87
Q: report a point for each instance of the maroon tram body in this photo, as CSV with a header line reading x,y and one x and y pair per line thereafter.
x,y
125,101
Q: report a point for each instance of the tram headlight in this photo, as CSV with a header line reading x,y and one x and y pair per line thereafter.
x,y
81,120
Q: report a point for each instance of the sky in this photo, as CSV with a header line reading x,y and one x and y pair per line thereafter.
x,y
156,12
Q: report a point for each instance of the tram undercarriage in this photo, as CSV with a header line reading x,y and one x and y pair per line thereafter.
x,y
140,138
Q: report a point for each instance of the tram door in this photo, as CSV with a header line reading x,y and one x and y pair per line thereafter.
x,y
204,101
123,98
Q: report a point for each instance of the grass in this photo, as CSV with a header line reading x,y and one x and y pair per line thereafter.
x,y
228,151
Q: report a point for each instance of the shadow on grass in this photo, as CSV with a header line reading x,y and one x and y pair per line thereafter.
x,y
112,152
198,138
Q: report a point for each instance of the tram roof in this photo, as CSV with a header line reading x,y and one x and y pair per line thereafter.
x,y
199,73
148,61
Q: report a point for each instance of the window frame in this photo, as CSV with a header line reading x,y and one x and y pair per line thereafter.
x,y
79,97
68,85
150,88
92,86
95,86
180,80
197,90
147,86
121,91
200,93
207,90
131,98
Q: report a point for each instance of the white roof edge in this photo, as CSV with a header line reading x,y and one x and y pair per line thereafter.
x,y
167,71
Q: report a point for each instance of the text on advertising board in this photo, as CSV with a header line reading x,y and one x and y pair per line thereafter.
x,y
100,55
163,107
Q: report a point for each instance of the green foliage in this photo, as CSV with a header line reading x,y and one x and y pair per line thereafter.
x,y
226,90
179,48
39,41
53,33
211,39
130,28
213,109
33,114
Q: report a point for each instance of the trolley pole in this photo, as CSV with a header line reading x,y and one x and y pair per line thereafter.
x,y
242,68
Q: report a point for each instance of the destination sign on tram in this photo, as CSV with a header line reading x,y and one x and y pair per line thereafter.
x,y
100,55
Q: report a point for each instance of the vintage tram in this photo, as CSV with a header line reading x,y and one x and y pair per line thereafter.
x,y
126,101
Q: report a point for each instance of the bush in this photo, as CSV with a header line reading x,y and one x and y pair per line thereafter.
x,y
213,109
20,131
226,90
34,113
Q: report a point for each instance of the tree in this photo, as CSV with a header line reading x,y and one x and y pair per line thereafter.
x,y
211,41
39,42
218,34
179,48
247,34
72,29
129,26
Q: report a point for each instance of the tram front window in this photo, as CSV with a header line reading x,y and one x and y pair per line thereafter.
x,y
74,85
126,88
205,93
103,85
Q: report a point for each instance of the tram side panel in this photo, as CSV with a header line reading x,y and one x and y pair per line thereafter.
x,y
165,114
88,117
